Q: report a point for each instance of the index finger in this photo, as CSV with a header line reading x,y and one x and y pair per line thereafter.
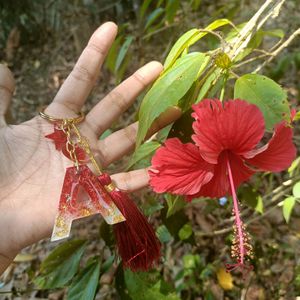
x,y
76,88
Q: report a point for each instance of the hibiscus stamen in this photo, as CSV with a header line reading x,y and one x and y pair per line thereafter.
x,y
241,248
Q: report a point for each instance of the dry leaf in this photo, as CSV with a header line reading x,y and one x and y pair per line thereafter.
x,y
24,257
225,279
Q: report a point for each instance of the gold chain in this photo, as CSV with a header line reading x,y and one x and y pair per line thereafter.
x,y
86,146
68,126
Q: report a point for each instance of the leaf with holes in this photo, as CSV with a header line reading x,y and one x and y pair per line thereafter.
x,y
266,94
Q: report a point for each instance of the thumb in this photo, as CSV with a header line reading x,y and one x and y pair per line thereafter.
x,y
7,87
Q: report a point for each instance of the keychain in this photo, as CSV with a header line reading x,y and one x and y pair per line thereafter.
x,y
85,193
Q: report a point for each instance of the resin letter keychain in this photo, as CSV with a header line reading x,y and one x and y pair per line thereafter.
x,y
85,193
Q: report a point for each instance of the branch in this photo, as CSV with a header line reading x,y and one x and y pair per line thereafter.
x,y
278,50
276,194
269,9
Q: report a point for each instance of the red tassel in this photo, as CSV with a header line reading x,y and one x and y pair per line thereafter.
x,y
137,243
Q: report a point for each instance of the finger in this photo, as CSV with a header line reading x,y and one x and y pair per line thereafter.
x,y
81,80
118,100
125,138
125,141
131,181
7,87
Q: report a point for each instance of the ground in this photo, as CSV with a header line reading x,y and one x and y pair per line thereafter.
x,y
41,60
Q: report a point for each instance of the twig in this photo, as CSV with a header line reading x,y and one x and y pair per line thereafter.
x,y
158,31
278,193
247,29
281,190
278,50
274,12
265,12
250,60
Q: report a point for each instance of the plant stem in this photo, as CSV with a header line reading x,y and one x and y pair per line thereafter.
x,y
278,50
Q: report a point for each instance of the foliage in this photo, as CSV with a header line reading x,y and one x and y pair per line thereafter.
x,y
200,64
61,265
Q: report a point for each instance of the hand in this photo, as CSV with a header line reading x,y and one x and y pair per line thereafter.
x,y
32,171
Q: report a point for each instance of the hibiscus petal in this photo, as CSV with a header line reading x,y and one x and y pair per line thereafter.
x,y
278,154
178,168
238,126
219,186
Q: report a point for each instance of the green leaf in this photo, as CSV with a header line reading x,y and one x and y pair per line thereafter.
x,y
185,232
151,206
296,190
260,205
179,46
274,33
189,38
105,134
266,94
107,264
294,165
163,234
61,265
146,286
123,51
252,198
175,203
84,285
153,17
208,84
297,116
171,10
144,7
196,4
191,261
287,207
168,90
142,152
112,55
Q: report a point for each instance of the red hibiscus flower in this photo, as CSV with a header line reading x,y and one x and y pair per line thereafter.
x,y
224,155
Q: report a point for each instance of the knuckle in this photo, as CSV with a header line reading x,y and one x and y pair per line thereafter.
x,y
83,74
127,181
140,78
130,133
100,49
103,154
118,100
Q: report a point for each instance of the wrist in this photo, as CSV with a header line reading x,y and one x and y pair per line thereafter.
x,y
9,246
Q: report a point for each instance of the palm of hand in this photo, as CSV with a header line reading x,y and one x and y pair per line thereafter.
x,y
32,171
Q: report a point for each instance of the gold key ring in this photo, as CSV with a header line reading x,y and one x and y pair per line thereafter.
x,y
55,120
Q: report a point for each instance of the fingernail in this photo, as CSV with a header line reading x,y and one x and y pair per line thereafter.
x,y
153,67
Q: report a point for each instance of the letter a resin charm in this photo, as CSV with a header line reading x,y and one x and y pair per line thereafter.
x,y
82,195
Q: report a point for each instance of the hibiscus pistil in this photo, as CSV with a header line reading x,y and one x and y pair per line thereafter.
x,y
241,248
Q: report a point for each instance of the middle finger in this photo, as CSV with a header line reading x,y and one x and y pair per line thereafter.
x,y
118,100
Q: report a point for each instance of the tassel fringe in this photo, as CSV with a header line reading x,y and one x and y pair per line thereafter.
x,y
137,243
